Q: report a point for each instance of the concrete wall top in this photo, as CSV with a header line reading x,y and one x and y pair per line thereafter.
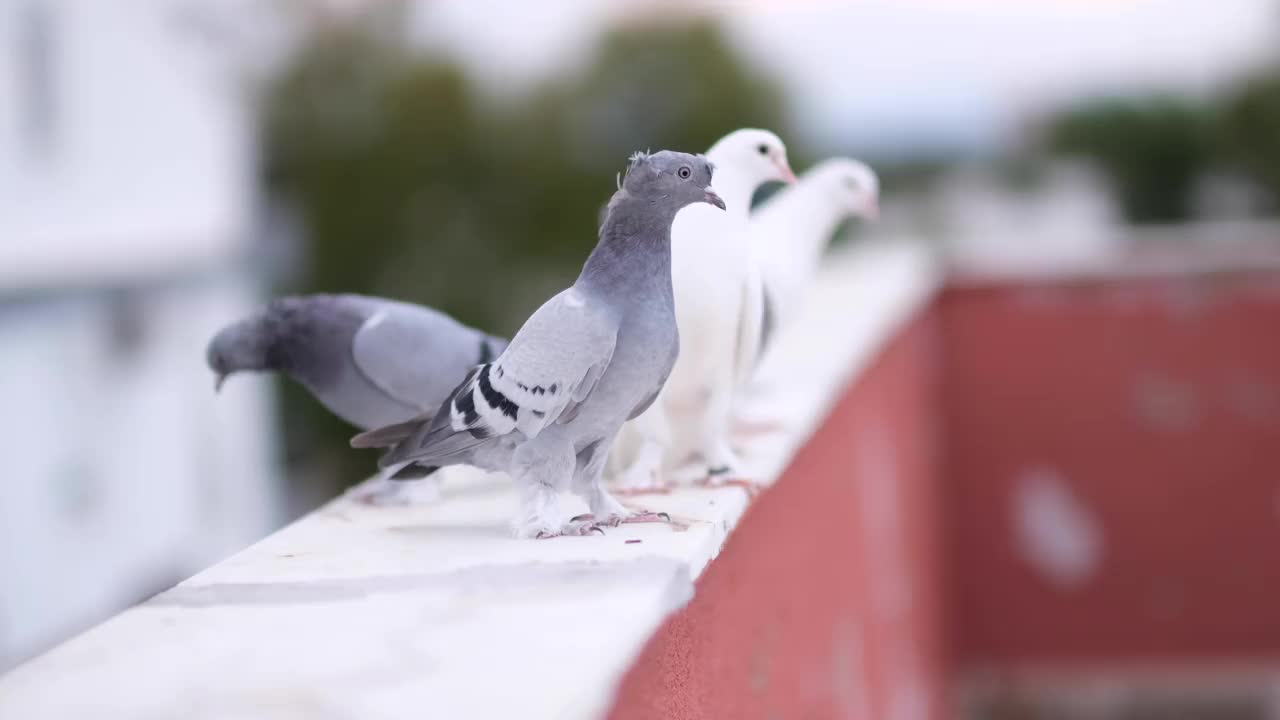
x,y
436,611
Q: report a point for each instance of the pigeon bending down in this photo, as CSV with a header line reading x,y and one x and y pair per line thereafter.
x,y
547,410
370,361
791,231
719,308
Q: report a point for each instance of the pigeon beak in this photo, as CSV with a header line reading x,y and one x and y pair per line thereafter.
x,y
784,171
217,383
872,210
711,197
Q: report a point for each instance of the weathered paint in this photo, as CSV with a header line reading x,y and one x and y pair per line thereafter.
x,y
826,602
1053,530
1156,404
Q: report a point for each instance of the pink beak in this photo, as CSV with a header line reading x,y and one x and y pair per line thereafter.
x,y
784,170
872,212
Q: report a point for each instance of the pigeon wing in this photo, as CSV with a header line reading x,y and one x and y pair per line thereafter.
x,y
544,376
750,328
415,355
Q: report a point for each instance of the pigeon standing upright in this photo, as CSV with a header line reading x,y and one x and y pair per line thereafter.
x,y
547,410
368,360
790,232
719,308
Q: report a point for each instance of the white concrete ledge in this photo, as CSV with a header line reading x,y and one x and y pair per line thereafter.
x,y
437,611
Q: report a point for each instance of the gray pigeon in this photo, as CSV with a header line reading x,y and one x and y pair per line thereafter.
x,y
370,361
547,410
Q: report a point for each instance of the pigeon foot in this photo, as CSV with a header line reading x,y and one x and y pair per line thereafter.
x,y
632,516
576,527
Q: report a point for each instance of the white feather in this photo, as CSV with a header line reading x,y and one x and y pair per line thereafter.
x,y
790,233
718,308
493,418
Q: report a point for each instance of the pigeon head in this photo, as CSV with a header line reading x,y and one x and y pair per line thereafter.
x,y
754,156
850,184
243,346
672,177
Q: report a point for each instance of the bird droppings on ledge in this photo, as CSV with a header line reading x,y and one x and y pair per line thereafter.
x,y
633,541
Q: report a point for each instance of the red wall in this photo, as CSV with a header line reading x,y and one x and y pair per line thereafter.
x,y
1113,469
1031,475
826,601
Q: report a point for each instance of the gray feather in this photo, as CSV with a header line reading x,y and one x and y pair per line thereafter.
x,y
547,410
370,361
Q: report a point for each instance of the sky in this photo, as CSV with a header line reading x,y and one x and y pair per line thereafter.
x,y
895,75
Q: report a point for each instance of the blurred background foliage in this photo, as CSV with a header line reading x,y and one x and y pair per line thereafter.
x,y
1156,149
408,183
1250,130
1152,149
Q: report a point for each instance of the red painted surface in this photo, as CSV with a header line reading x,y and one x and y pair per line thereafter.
x,y
1031,476
826,601
1155,404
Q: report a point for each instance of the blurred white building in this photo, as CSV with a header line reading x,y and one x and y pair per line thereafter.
x,y
126,208
1068,217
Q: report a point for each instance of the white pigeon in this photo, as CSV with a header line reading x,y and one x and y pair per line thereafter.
x,y
790,232
719,310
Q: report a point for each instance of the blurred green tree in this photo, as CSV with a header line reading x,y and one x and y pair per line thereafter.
x,y
410,185
1250,130
1153,150
664,84
672,85
369,144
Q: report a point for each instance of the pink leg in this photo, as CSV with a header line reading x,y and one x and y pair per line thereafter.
x,y
645,516
752,429
634,516
715,478
577,526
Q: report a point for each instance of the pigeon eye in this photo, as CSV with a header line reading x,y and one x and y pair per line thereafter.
x,y
763,149
684,173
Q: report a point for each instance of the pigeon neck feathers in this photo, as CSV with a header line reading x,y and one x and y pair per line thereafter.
x,y
634,248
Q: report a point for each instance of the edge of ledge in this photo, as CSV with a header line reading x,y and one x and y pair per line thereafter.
x,y
383,612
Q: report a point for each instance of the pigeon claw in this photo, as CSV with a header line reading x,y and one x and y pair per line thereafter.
x,y
643,516
591,526
578,525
